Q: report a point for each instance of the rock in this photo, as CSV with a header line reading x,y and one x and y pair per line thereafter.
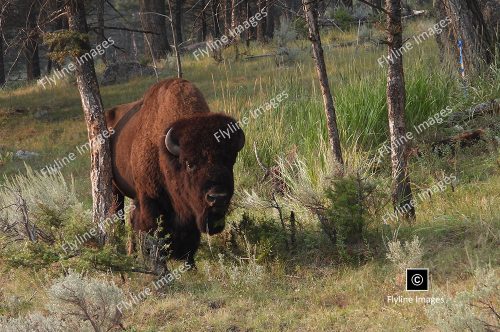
x,y
41,114
122,72
23,155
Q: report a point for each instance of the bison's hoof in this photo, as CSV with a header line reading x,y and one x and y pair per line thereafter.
x,y
161,270
191,266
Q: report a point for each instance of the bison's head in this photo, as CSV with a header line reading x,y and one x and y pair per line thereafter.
x,y
199,168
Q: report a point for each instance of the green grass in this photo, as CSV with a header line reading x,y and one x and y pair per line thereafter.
x,y
313,289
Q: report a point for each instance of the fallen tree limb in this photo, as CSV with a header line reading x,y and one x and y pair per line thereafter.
x,y
462,140
259,56
489,107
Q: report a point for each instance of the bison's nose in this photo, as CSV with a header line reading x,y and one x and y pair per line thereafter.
x,y
215,198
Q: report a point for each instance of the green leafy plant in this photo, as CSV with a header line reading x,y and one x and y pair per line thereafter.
x,y
346,215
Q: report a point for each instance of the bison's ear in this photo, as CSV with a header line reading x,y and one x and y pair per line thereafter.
x,y
172,147
241,141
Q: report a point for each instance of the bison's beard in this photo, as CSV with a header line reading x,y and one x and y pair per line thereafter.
x,y
212,222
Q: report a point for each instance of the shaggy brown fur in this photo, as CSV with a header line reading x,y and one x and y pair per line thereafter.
x,y
190,189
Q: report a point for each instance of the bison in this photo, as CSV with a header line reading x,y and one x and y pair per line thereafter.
x,y
168,160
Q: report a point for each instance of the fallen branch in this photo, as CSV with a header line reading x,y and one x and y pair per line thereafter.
x,y
259,56
489,107
465,139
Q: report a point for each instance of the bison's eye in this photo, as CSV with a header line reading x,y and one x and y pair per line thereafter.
x,y
190,166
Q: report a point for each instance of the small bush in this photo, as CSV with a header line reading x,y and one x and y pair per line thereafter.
x,y
35,322
342,17
473,310
346,215
87,299
77,303
407,255
38,207
238,270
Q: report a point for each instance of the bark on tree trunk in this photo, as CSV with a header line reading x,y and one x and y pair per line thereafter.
x,y
468,24
311,13
215,18
31,48
396,98
235,14
261,26
100,155
178,21
270,19
176,45
100,26
204,28
2,68
153,19
247,17
227,15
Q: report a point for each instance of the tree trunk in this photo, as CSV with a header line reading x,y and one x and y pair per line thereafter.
x,y
176,45
311,14
227,15
31,47
396,98
248,32
2,68
261,25
468,24
178,21
100,26
270,19
153,19
100,155
204,29
235,13
215,18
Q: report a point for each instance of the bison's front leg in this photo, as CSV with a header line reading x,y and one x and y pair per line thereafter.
x,y
184,244
149,214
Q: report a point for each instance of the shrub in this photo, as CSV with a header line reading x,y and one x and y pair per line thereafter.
x,y
238,270
38,207
38,212
34,322
43,222
346,215
87,299
407,255
76,303
342,17
472,310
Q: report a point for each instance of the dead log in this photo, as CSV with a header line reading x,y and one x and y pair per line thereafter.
x,y
259,56
462,140
489,107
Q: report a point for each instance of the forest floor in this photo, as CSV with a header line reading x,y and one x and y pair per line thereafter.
x,y
252,280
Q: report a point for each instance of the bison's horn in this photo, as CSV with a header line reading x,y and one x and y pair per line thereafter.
x,y
172,147
241,142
